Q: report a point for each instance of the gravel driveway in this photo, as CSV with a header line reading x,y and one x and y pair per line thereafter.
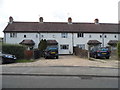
x,y
69,60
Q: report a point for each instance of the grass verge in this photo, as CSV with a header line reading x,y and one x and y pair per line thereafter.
x,y
24,61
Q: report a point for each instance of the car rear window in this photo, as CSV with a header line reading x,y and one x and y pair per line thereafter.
x,y
103,49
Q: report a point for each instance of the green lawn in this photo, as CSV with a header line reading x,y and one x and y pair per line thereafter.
x,y
24,61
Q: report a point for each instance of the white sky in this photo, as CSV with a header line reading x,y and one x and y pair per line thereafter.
x,y
58,11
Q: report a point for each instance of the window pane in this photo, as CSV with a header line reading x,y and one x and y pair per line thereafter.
x,y
64,35
64,47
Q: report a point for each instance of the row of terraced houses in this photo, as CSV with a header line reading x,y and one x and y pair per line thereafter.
x,y
67,34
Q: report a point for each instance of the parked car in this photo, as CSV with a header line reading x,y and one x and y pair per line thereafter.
x,y
101,52
51,52
7,58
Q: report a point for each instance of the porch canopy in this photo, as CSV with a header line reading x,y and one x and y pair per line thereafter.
x,y
27,42
52,42
93,42
113,42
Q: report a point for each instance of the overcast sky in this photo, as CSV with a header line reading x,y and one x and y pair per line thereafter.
x,y
58,11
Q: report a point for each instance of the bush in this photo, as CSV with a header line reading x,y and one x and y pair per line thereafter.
x,y
15,49
118,48
42,45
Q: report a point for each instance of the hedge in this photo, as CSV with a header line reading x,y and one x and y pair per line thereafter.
x,y
118,48
15,49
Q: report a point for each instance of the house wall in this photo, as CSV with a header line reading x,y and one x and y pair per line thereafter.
x,y
94,36
71,40
20,38
60,40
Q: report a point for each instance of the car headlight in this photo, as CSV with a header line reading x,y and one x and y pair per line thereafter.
x,y
8,56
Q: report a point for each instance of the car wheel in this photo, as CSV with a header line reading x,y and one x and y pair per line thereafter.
x,y
107,57
57,57
45,57
95,56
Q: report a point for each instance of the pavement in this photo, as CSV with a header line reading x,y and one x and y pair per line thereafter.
x,y
65,66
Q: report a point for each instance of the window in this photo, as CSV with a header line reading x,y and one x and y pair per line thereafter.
x,y
100,36
82,46
80,35
90,36
105,36
65,47
24,36
42,36
13,35
64,35
36,36
115,36
53,36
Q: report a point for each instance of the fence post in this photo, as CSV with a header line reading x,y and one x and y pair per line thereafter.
x,y
89,52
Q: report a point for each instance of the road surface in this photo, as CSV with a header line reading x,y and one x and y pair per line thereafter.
x,y
17,81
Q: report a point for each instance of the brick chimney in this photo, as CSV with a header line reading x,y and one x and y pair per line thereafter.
x,y
96,21
10,19
41,19
69,20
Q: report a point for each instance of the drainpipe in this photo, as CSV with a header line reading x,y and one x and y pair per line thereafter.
x,y
103,40
73,41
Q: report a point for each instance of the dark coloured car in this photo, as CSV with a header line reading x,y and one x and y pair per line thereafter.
x,y
102,52
7,58
51,52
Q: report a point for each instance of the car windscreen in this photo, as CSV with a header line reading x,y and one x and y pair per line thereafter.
x,y
103,49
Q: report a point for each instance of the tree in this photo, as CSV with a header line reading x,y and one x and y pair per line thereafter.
x,y
42,45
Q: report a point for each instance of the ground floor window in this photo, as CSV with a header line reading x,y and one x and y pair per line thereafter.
x,y
64,47
82,46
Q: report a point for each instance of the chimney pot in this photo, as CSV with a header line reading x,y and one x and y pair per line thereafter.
x,y
69,20
41,19
96,21
10,19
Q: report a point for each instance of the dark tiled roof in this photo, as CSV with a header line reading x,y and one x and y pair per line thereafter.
x,y
61,27
27,42
52,42
93,42
112,42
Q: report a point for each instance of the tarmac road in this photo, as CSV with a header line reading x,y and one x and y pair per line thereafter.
x,y
16,81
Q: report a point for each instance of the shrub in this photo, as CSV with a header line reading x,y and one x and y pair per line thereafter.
x,y
118,48
15,49
42,45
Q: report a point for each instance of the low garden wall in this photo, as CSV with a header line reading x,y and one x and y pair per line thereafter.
x,y
80,52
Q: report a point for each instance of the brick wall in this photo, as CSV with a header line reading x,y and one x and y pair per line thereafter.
x,y
80,52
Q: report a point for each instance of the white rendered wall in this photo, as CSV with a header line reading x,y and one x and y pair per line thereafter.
x,y
71,40
60,40
94,36
20,38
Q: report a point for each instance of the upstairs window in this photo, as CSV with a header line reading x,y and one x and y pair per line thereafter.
x,y
13,35
90,36
105,36
64,35
80,35
24,36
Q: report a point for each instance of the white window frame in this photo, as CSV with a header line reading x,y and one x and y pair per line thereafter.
x,y
79,35
64,35
82,46
13,35
64,47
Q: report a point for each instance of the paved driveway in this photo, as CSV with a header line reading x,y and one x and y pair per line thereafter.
x,y
69,60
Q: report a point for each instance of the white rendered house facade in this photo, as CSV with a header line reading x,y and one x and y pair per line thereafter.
x,y
67,35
